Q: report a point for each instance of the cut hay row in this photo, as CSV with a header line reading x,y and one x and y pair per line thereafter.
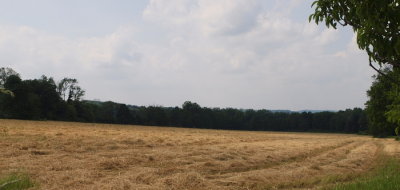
x,y
63,155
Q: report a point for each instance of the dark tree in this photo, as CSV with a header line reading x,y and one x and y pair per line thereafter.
x,y
4,74
381,99
69,90
191,113
123,115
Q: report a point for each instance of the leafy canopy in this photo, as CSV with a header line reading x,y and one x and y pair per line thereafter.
x,y
382,106
6,72
377,25
376,22
393,113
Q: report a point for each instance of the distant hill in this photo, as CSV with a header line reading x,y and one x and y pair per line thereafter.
x,y
316,111
301,111
135,107
281,111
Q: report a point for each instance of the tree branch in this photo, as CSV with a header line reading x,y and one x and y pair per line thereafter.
x,y
384,74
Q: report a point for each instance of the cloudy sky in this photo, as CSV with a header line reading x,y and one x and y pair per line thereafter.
x,y
219,53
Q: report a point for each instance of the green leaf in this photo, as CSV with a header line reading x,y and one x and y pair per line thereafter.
x,y
397,47
310,17
315,2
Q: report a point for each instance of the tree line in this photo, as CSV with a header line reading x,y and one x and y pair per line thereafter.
x,y
192,115
46,99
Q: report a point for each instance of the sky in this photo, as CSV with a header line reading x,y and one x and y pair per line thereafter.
x,y
249,54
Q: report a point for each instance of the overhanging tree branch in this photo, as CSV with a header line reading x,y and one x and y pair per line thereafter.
x,y
384,74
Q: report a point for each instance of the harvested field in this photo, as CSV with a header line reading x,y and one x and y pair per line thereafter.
x,y
63,155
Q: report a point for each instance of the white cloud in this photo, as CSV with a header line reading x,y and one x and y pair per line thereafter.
x,y
238,53
327,36
169,12
207,16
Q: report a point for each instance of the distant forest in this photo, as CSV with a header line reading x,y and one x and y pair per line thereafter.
x,y
46,99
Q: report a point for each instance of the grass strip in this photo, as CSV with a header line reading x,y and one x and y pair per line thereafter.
x,y
16,181
385,177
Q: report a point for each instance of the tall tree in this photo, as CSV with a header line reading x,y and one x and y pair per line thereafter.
x,y
393,113
69,90
381,100
6,72
191,112
393,116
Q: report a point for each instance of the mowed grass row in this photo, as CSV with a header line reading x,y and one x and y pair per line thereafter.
x,y
385,177
63,155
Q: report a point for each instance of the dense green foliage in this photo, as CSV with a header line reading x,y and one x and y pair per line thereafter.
x,y
34,99
393,113
191,115
194,116
382,107
376,23
44,99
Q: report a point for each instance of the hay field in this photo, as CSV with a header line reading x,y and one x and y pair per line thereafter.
x,y
63,155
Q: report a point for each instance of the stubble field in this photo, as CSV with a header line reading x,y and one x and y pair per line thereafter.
x,y
63,155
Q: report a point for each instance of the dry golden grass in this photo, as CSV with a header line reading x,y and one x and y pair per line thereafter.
x,y
63,155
